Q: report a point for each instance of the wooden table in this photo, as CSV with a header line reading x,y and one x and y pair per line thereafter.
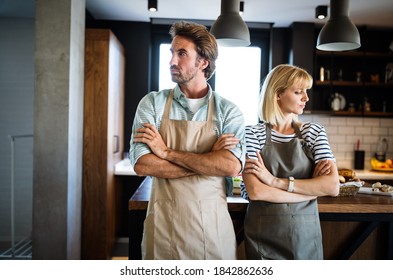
x,y
369,211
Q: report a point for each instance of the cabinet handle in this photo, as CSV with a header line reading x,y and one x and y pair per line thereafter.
x,y
116,144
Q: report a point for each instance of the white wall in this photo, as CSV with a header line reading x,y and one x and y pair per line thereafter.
x,y
343,133
16,118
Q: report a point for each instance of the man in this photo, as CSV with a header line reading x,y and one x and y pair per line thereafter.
x,y
188,139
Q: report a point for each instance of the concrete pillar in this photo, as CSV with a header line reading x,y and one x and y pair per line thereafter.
x,y
58,128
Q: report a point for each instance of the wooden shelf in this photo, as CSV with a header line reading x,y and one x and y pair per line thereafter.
x,y
349,114
344,53
352,84
356,54
379,114
346,113
347,83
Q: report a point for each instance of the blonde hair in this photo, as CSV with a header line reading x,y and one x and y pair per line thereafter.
x,y
279,79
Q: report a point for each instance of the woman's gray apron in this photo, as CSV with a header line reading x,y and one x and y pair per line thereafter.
x,y
187,218
284,230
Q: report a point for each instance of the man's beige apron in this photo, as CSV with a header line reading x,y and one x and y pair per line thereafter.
x,y
187,218
284,230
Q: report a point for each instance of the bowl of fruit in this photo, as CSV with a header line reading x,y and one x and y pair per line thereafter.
x,y
386,165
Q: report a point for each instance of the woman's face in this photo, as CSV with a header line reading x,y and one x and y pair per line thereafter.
x,y
293,99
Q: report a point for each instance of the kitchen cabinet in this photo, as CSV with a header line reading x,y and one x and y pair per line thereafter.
x,y
102,141
359,77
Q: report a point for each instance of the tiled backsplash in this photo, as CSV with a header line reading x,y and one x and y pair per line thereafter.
x,y
344,132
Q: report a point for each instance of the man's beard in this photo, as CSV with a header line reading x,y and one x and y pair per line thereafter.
x,y
181,78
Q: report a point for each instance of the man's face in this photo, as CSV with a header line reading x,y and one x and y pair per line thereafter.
x,y
185,64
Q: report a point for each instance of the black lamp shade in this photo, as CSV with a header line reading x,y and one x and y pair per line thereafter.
x,y
152,5
241,8
321,12
339,33
229,29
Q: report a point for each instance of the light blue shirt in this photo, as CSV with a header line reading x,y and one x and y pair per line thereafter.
x,y
227,118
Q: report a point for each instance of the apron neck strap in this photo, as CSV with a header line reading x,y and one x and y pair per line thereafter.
x,y
297,130
268,128
210,112
168,105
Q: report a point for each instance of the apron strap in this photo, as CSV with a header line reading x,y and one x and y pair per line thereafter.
x,y
297,130
268,129
210,111
168,105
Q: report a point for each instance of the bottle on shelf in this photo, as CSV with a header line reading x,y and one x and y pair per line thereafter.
x,y
322,74
336,103
367,105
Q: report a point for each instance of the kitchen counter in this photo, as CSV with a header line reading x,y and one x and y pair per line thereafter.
x,y
347,222
374,175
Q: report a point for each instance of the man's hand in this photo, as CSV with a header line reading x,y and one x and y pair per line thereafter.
x,y
149,135
225,141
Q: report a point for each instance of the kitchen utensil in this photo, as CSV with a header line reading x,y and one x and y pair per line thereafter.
x,y
382,147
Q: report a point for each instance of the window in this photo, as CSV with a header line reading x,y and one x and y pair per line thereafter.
x,y
164,78
237,77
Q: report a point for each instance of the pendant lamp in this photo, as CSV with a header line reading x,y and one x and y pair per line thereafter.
x,y
339,33
321,12
229,29
241,8
152,5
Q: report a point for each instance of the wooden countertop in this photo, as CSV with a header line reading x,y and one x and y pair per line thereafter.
x,y
359,203
373,175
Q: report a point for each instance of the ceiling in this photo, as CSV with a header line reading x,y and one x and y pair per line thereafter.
x,y
281,13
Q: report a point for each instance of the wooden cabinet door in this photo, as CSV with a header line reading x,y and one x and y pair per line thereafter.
x,y
103,137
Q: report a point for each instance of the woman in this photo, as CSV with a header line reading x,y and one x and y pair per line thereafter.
x,y
289,165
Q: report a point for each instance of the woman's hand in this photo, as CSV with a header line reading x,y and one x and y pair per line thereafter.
x,y
225,141
257,167
322,168
149,135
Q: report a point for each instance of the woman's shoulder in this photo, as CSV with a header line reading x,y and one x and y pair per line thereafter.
x,y
256,127
311,127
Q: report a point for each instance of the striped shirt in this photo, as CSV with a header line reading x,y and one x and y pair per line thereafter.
x,y
227,118
314,135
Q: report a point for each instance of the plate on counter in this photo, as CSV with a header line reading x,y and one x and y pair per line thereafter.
x,y
374,191
382,169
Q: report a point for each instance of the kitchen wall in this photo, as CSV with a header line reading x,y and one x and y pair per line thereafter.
x,y
343,133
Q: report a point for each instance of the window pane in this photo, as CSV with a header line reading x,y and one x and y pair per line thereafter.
x,y
237,77
165,80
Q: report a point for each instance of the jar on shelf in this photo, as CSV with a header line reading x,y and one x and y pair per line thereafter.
x,y
351,107
336,103
359,77
367,105
322,74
